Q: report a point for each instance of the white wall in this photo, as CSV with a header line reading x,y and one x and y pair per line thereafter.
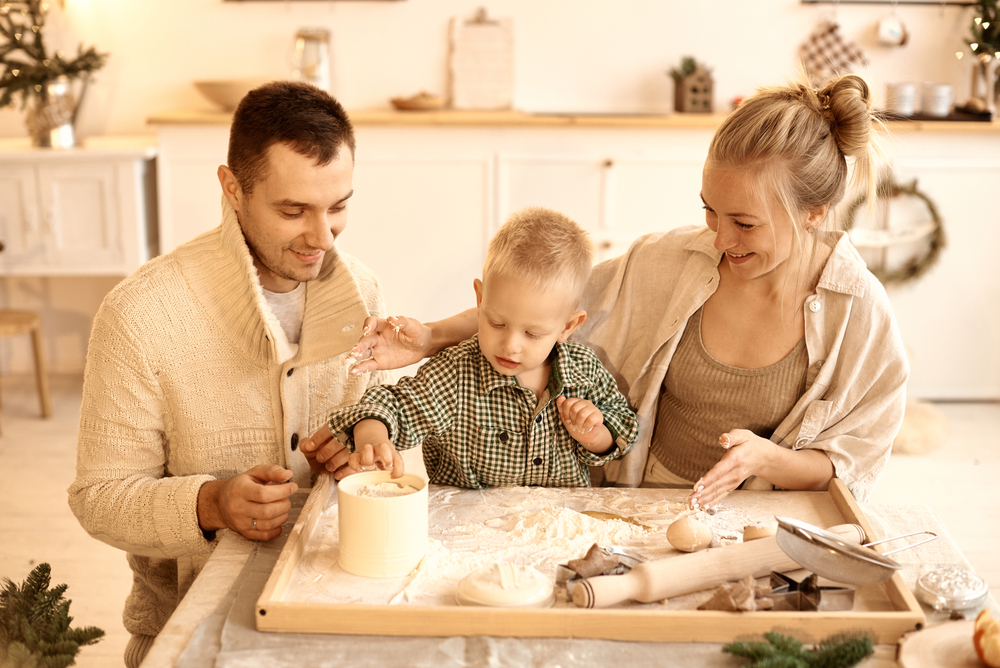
x,y
571,55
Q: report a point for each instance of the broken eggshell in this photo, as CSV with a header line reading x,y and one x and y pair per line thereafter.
x,y
689,535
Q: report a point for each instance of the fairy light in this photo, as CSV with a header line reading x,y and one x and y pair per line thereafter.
x,y
986,25
978,20
959,54
974,46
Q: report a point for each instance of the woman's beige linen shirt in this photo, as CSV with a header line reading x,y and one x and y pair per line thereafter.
x,y
639,303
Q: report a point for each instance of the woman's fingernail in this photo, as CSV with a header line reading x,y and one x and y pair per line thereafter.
x,y
701,488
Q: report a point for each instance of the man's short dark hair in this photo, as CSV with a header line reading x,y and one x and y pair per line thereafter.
x,y
307,119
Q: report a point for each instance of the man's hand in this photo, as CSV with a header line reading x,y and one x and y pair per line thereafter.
x,y
248,504
392,343
325,453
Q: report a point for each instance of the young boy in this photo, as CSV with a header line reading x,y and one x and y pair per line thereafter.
x,y
517,404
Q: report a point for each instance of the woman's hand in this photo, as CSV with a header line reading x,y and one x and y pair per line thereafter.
x,y
747,455
392,343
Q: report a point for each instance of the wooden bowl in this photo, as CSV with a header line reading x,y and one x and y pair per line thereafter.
x,y
419,102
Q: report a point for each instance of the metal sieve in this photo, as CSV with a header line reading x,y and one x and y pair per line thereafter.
x,y
831,557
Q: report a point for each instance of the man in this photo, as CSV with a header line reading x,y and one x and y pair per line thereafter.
x,y
207,365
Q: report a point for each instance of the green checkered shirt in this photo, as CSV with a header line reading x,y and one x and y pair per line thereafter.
x,y
481,429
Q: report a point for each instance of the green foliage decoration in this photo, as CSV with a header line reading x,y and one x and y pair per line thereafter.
x,y
27,64
687,68
985,32
34,624
838,651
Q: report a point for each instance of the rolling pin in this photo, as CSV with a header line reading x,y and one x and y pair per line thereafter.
x,y
666,578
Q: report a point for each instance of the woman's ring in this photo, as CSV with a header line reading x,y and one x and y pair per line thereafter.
x,y
253,523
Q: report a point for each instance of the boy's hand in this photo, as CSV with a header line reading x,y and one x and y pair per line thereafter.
x,y
368,457
583,420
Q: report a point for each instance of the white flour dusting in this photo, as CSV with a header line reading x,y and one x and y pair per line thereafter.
x,y
382,490
538,527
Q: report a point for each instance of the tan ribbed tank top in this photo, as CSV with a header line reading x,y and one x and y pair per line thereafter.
x,y
702,398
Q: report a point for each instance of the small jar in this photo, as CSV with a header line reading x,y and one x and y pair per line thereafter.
x,y
952,589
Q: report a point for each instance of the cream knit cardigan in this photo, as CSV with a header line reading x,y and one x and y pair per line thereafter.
x,y
190,378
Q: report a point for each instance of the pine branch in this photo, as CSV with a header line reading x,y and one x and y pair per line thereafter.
x,y
23,50
840,651
35,619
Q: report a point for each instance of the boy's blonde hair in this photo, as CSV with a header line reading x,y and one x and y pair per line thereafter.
x,y
544,248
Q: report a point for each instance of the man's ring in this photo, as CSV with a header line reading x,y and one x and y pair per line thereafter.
x,y
253,523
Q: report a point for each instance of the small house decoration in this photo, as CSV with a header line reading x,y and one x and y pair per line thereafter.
x,y
692,87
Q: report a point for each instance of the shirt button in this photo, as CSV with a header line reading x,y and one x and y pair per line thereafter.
x,y
295,441
538,419
819,365
503,437
537,461
802,442
815,306
290,372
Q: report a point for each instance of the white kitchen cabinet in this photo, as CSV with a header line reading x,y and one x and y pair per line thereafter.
x,y
84,211
432,189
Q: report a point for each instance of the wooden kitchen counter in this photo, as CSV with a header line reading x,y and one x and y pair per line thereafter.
x,y
452,118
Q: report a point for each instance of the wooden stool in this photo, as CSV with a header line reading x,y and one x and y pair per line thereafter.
x,y
21,322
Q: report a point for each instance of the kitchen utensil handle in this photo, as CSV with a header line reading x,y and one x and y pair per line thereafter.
x,y
687,573
933,536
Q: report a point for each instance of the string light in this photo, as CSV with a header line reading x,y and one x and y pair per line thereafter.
x,y
974,46
978,20
986,25
15,72
959,54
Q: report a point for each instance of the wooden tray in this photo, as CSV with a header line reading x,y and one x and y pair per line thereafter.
x,y
643,624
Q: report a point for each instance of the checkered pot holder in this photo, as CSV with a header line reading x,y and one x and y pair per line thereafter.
x,y
826,53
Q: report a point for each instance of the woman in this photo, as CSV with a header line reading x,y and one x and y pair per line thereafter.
x,y
758,351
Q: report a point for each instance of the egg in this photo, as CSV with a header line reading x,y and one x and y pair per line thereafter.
x,y
689,535
755,531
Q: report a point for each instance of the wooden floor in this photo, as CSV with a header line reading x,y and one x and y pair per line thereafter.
x,y
959,481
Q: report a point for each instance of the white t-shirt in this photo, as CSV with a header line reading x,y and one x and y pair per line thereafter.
x,y
289,308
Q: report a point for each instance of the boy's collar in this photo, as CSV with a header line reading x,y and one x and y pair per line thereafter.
x,y
563,373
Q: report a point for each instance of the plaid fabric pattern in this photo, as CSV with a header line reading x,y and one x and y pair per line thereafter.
x,y
826,53
480,429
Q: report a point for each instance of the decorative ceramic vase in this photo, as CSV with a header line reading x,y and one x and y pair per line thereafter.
x,y
50,117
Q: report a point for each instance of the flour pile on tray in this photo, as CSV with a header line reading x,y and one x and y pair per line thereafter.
x,y
537,527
